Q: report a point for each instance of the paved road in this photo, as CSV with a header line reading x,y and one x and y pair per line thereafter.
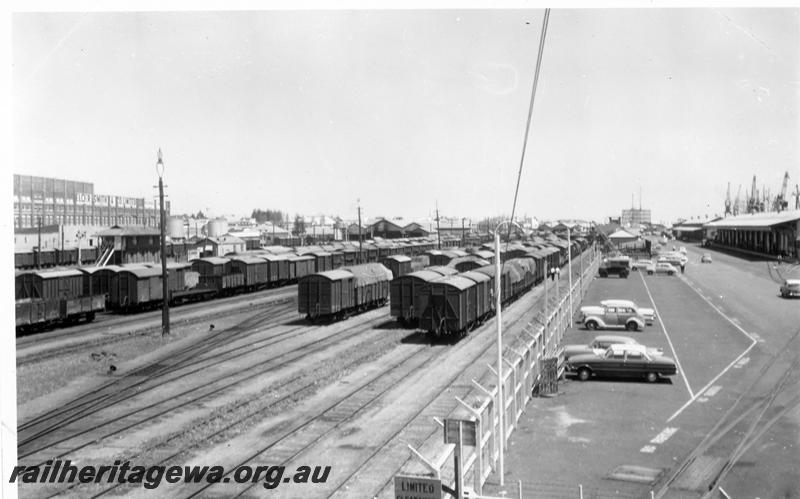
x,y
722,322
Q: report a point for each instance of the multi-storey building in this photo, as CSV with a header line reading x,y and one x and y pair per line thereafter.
x,y
52,201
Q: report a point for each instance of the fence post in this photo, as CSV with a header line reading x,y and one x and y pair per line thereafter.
x,y
514,388
490,413
478,473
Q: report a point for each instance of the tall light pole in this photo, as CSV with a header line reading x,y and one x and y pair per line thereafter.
x,y
164,291
500,397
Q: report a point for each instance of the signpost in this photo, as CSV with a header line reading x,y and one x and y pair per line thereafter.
x,y
417,487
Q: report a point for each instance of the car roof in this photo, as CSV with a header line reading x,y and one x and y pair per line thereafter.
x,y
612,302
617,338
792,281
628,347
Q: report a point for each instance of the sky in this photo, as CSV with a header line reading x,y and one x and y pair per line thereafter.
x,y
401,111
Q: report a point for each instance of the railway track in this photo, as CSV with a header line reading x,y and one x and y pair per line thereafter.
x,y
768,398
300,440
188,318
65,441
132,383
196,356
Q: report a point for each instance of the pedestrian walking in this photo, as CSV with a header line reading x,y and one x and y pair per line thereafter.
x,y
683,266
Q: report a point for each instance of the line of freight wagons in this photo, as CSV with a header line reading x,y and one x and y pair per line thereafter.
x,y
135,287
440,299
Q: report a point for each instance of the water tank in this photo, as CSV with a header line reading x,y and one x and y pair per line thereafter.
x,y
217,227
175,228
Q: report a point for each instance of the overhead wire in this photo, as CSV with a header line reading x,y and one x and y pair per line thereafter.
x,y
542,38
530,116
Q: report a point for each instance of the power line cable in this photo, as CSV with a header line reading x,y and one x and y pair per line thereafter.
x,y
530,115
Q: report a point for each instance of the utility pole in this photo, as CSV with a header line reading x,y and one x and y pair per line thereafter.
x,y
39,247
438,232
463,235
360,260
164,290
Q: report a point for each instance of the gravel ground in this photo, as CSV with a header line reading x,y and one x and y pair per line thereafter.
x,y
38,382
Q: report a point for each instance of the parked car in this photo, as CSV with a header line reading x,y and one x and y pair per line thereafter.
x,y
601,343
673,259
790,287
664,268
706,258
619,265
622,360
641,264
605,317
649,314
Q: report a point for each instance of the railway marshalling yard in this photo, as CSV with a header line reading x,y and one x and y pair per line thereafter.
x,y
265,387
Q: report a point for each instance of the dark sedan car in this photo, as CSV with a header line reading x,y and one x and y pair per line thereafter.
x,y
622,360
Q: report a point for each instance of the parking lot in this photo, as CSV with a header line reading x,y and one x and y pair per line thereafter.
x,y
711,320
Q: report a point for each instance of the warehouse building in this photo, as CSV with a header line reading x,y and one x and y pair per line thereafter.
x,y
50,201
770,234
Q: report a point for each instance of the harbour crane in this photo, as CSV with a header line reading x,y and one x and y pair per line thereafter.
x,y
752,201
796,197
737,203
728,201
781,203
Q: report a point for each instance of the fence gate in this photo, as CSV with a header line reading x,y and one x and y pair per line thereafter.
x,y
549,381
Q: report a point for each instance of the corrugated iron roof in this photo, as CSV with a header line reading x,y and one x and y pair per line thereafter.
x,y
756,220
129,231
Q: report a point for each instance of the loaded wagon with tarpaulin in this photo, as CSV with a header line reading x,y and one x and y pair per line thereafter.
x,y
335,293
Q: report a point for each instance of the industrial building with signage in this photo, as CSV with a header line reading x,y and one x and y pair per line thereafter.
x,y
51,201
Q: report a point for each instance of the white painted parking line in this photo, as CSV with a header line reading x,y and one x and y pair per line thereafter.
x,y
663,436
712,391
664,328
648,449
741,363
753,337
